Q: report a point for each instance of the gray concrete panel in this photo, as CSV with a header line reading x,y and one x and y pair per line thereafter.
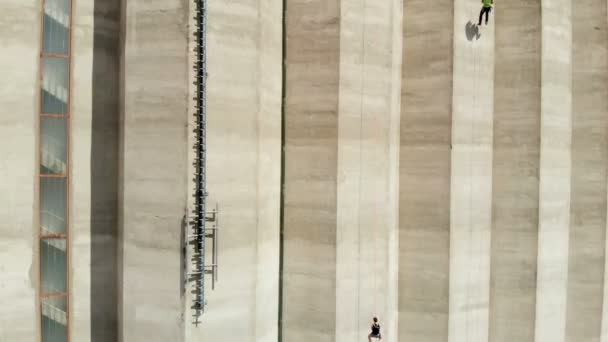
x,y
243,165
554,172
589,162
94,128
367,164
517,114
471,177
311,147
154,169
20,37
424,202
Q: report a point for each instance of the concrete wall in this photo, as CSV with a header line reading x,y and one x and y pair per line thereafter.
x,y
447,178
310,180
368,159
488,251
515,184
153,170
554,171
94,128
424,202
20,36
243,169
341,177
589,163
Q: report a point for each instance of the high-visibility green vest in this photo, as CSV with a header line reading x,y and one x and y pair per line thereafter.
x,y
487,3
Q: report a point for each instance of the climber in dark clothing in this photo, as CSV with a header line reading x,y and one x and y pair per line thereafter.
x,y
375,331
486,9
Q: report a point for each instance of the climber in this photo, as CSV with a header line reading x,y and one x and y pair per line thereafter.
x,y
487,8
375,331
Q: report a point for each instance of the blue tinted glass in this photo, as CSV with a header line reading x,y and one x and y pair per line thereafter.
x,y
54,86
53,146
56,26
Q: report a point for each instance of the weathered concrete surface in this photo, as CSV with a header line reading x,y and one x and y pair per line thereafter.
x,y
20,37
350,151
424,200
554,171
471,178
589,163
243,169
367,189
311,148
517,103
154,171
94,129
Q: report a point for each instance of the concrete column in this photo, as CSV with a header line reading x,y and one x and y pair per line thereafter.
x,y
94,129
269,170
370,56
517,115
19,94
153,170
243,169
604,332
311,150
424,201
471,179
589,163
554,172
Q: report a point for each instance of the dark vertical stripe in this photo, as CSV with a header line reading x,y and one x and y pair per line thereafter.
x,y
424,208
516,162
589,162
104,171
282,195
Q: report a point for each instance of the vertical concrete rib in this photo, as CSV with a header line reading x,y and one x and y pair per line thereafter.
x,y
471,177
153,170
269,169
517,112
604,332
554,171
351,147
589,162
311,143
366,199
391,320
94,157
243,168
424,200
19,95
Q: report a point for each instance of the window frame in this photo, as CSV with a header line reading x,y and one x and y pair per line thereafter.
x,y
41,296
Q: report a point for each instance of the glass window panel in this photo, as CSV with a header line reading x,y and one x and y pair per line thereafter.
x,y
53,205
54,319
56,26
53,261
54,85
53,141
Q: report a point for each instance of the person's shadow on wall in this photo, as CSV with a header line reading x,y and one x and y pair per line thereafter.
x,y
472,31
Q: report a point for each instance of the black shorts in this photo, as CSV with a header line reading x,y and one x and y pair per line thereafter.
x,y
378,335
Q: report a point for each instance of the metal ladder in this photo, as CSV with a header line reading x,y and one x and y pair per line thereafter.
x,y
200,231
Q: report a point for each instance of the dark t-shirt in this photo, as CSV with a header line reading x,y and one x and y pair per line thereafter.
x,y
375,329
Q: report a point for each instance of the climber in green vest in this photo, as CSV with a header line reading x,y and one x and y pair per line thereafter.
x,y
487,8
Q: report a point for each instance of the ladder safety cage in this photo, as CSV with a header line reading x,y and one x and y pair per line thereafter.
x,y
201,218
